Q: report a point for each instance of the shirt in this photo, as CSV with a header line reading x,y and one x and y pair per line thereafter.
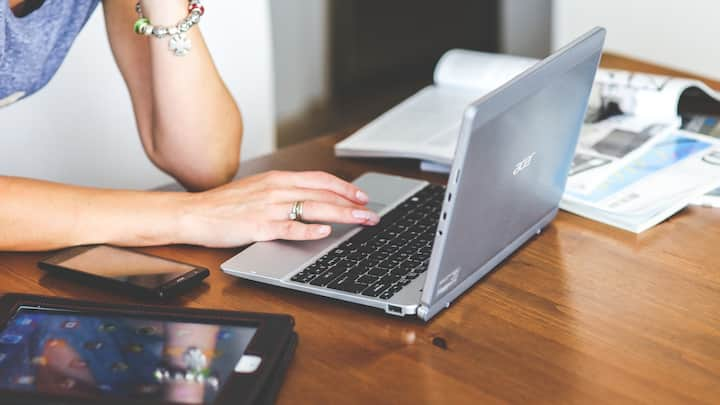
x,y
33,47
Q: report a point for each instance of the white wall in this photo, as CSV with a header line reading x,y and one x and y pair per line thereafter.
x,y
80,129
301,44
526,27
680,34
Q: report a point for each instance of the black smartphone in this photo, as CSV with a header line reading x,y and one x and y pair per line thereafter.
x,y
133,271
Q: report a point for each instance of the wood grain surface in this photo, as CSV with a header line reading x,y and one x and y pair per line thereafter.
x,y
583,314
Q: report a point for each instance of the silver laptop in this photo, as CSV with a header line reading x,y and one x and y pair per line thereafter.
x,y
435,242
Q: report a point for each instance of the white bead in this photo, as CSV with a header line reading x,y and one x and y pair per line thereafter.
x,y
180,45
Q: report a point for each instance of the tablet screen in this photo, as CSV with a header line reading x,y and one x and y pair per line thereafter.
x,y
73,354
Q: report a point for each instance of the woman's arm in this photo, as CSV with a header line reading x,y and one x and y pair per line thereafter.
x,y
189,123
37,215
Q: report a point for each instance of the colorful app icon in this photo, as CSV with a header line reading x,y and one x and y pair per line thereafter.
x,y
24,321
25,380
119,367
135,348
107,328
10,339
56,343
70,324
147,331
93,345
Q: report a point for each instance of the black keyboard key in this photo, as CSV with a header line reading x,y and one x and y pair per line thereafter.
x,y
378,271
375,289
412,263
392,262
355,272
303,277
366,248
328,277
390,279
347,284
368,264
367,279
378,256
409,264
356,256
386,295
315,269
399,271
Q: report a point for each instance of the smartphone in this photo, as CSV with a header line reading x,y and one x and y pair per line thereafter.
x,y
134,272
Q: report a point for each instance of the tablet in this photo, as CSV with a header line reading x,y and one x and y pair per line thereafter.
x,y
63,351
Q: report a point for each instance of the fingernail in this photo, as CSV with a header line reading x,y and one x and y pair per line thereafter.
x,y
323,230
362,196
366,215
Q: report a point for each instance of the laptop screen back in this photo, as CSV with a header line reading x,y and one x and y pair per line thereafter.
x,y
511,166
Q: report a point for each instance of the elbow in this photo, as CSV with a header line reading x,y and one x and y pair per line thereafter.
x,y
200,173
208,176
200,170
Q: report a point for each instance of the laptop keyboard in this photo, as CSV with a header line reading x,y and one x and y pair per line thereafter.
x,y
379,261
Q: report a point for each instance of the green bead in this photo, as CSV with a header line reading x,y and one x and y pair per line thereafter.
x,y
139,24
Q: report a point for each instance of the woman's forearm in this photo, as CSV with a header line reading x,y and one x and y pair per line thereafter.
x,y
196,123
188,121
38,216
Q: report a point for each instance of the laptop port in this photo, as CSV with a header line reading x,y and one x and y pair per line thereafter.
x,y
394,309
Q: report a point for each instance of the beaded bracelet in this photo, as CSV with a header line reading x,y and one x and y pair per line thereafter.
x,y
179,43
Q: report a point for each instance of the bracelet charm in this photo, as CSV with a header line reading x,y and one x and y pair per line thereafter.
x,y
179,44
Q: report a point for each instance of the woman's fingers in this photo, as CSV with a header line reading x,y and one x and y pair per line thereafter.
x,y
292,230
319,181
316,211
299,194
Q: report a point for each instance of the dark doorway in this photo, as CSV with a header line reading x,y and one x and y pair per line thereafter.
x,y
378,44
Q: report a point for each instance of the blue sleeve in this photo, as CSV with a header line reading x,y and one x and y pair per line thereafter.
x,y
3,19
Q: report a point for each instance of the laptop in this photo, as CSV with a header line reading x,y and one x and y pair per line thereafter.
x,y
435,242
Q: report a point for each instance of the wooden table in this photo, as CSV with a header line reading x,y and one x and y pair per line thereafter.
x,y
583,314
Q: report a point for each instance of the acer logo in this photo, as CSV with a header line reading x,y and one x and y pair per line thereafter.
x,y
524,164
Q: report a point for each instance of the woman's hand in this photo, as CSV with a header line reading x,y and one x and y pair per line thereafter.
x,y
258,209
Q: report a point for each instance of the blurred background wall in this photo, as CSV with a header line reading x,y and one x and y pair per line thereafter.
x,y
680,34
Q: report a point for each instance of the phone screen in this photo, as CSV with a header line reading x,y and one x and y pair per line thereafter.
x,y
126,266
88,355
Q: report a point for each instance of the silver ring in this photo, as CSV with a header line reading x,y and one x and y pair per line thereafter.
x,y
296,212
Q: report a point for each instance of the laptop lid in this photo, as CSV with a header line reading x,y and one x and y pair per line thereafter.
x,y
510,170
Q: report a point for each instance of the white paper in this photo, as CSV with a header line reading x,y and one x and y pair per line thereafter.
x,y
675,169
479,70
